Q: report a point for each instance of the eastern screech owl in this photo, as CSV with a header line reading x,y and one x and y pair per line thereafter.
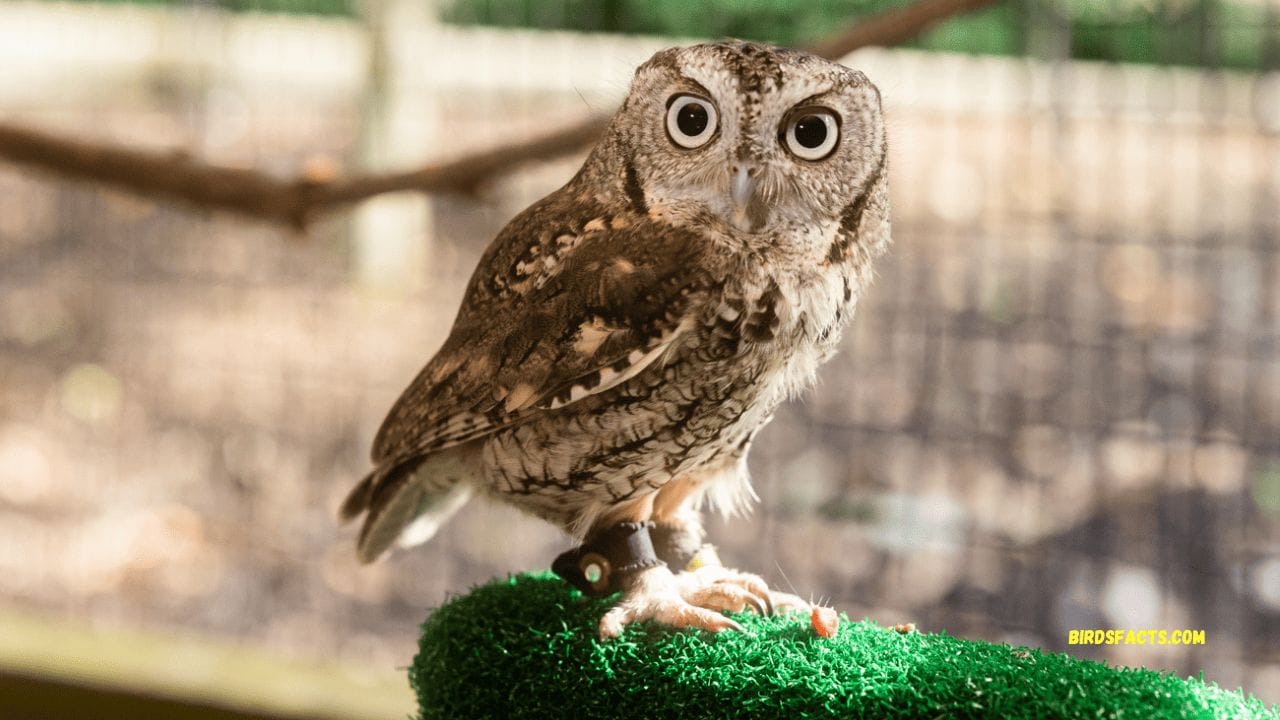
x,y
624,339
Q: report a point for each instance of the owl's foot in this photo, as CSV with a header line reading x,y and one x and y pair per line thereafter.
x,y
703,566
658,595
719,587
622,557
716,579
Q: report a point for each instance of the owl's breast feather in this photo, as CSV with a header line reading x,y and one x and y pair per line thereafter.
x,y
819,305
788,323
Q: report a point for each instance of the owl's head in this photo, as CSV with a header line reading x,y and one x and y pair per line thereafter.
x,y
762,137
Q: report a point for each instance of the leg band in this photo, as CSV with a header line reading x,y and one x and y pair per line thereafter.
x,y
681,546
599,566
677,545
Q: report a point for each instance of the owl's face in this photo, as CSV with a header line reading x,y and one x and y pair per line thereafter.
x,y
764,138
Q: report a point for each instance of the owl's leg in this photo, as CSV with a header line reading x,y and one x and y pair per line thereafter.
x,y
690,588
678,538
618,555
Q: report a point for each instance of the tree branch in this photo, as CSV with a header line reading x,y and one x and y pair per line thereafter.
x,y
894,26
178,176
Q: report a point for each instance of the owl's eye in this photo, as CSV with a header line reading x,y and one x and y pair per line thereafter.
x,y
812,133
691,120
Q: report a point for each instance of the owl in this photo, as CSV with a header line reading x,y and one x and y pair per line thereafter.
x,y
624,339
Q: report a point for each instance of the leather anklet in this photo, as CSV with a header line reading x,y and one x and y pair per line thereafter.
x,y
599,566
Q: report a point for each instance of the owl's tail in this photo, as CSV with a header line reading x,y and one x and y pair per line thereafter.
x,y
405,503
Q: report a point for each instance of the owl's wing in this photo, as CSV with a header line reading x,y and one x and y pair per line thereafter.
x,y
550,317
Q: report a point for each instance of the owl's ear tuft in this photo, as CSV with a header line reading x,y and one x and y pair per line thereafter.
x,y
661,60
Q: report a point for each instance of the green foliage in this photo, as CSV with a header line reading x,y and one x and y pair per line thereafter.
x,y
1180,32
526,648
302,7
1211,33
785,22
1200,32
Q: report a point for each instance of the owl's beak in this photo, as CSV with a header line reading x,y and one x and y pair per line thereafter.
x,y
742,191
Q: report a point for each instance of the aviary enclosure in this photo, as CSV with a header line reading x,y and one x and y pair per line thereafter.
x,y
1057,409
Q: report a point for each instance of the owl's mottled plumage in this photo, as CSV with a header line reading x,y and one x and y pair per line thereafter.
x,y
622,340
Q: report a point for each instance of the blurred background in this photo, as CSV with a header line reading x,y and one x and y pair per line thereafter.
x,y
1058,407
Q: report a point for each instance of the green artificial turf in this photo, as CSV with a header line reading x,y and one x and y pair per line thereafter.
x,y
526,648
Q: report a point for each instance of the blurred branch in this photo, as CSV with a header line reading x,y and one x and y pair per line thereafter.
x,y
894,26
179,176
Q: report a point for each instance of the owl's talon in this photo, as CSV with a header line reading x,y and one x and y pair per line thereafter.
x,y
768,605
754,585
727,598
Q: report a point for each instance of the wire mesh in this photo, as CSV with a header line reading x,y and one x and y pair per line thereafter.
x,y
1058,407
